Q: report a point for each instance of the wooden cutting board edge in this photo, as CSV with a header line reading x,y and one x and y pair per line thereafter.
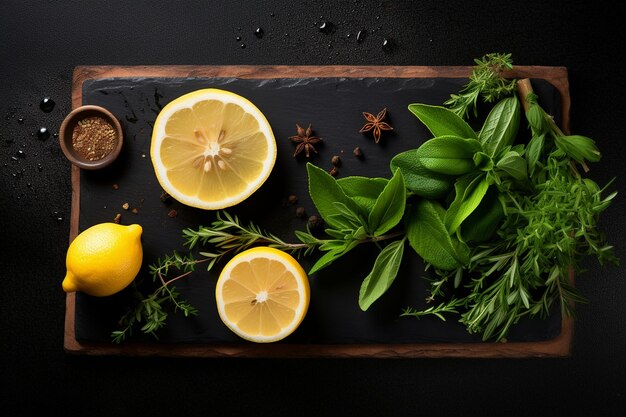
x,y
560,346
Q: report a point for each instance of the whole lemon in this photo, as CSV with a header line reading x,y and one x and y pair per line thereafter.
x,y
103,259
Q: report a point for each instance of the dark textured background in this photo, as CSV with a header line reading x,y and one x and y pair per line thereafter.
x,y
40,44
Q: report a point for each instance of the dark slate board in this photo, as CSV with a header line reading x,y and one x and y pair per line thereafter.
x,y
334,107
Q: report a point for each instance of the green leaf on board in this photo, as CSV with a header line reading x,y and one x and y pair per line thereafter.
x,y
442,121
389,207
428,236
332,254
500,127
533,152
418,179
536,120
325,192
363,190
470,190
579,148
482,161
382,275
450,155
484,221
514,165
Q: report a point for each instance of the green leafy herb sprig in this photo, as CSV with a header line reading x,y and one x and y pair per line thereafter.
x,y
502,224
227,236
150,310
486,82
536,219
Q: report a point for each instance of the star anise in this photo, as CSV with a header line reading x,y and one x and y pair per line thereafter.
x,y
375,123
305,141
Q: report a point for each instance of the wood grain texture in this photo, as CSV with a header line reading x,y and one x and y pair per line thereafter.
x,y
559,346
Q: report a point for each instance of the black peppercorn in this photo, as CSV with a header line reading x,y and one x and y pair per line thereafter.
x,y
314,222
165,197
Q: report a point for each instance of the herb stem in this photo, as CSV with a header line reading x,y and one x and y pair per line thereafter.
x,y
387,236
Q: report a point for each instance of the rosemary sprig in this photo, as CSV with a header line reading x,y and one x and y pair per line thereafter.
x,y
486,81
227,236
449,306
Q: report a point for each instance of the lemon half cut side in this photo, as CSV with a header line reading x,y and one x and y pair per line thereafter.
x,y
262,294
212,148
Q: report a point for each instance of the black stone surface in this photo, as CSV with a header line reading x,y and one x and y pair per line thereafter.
x,y
334,107
42,41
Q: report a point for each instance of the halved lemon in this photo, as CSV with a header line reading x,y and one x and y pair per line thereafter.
x,y
262,294
212,148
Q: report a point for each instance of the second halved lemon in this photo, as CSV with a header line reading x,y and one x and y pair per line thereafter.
x,y
212,148
262,294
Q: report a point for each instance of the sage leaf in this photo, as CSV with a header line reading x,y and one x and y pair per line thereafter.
x,y
428,236
470,190
450,155
533,152
579,148
442,121
483,162
331,255
484,221
353,218
418,179
389,207
514,165
382,275
536,119
363,190
325,192
500,127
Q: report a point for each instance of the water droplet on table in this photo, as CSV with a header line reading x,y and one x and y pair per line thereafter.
x,y
43,133
387,44
325,27
47,104
259,32
360,37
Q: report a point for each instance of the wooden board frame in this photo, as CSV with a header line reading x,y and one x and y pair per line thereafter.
x,y
559,346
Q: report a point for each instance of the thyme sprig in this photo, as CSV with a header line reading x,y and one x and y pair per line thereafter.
x,y
486,82
150,309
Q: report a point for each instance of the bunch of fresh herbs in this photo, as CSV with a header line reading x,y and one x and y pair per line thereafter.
x,y
502,224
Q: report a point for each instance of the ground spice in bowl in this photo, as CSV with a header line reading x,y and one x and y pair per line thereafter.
x,y
94,138
91,137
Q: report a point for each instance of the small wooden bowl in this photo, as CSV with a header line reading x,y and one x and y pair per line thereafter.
x,y
67,129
